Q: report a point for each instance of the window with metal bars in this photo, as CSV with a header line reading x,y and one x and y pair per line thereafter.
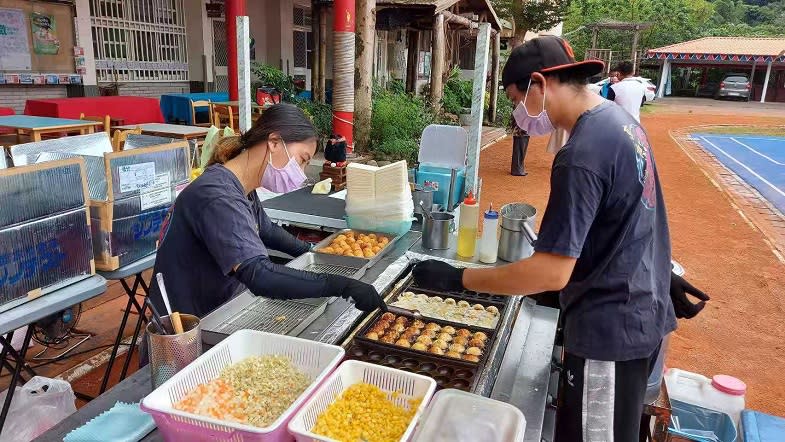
x,y
302,38
139,40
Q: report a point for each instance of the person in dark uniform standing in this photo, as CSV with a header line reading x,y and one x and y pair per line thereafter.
x,y
603,244
215,239
520,144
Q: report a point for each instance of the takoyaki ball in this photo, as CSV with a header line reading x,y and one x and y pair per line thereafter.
x,y
453,354
446,337
474,351
412,329
429,333
463,333
418,324
492,309
406,295
425,339
463,304
481,335
419,346
439,343
388,316
383,324
394,335
408,335
471,358
478,307
436,350
476,342
373,336
449,301
421,296
388,339
403,343
433,326
398,327
460,340
448,329
458,348
401,320
435,299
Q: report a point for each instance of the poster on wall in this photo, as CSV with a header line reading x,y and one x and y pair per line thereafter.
x,y
14,48
44,34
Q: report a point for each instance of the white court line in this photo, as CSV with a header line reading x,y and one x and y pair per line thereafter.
x,y
755,151
776,189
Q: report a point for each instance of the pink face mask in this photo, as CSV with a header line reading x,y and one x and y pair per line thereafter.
x,y
286,179
534,125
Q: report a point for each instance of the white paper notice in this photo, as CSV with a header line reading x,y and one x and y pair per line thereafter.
x,y
160,194
136,177
14,48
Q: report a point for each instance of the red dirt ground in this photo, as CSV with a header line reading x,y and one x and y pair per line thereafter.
x,y
741,332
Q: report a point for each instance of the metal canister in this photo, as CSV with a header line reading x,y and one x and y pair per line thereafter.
x,y
436,231
171,353
424,194
517,231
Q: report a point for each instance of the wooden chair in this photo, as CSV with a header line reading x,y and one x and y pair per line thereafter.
x,y
118,139
106,120
223,116
201,103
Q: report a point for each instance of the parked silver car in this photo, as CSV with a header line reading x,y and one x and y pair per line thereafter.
x,y
734,86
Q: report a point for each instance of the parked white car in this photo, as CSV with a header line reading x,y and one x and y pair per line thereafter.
x,y
651,89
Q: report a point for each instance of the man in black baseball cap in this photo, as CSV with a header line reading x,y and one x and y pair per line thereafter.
x,y
603,244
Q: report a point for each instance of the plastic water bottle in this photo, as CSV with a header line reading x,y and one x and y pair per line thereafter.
x,y
489,243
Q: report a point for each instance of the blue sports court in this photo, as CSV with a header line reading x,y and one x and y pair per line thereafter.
x,y
758,160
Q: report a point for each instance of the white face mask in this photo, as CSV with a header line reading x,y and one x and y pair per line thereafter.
x,y
286,179
558,139
534,125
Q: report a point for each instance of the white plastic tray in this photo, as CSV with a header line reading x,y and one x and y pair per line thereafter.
x,y
457,416
315,359
408,385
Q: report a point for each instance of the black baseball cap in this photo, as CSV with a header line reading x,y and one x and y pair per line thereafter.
x,y
546,54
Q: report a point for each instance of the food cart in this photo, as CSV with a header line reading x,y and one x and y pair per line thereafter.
x,y
516,367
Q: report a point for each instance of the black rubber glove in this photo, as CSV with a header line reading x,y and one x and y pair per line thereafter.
x,y
364,295
438,275
683,307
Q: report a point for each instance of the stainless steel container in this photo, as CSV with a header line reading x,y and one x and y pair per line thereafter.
x,y
517,232
424,194
171,353
436,231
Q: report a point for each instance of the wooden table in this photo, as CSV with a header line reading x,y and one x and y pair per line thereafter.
x,y
168,130
254,106
36,126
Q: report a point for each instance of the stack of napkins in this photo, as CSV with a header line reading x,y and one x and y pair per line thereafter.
x,y
379,198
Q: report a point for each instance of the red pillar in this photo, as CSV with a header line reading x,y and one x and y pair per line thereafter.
x,y
343,70
233,9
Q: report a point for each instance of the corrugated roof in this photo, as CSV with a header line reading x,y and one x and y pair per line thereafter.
x,y
756,46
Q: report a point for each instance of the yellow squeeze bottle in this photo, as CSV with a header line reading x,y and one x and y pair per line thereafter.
x,y
467,226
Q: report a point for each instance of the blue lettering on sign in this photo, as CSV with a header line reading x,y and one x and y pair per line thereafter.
x,y
148,224
24,263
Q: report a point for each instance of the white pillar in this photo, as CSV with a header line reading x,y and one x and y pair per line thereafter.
x,y
766,83
84,39
244,73
478,98
666,64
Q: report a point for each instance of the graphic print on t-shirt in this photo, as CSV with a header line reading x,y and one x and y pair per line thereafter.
x,y
165,225
644,163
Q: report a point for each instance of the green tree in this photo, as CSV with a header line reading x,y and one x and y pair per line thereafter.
x,y
531,15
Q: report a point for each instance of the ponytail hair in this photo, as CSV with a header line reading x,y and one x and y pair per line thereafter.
x,y
287,120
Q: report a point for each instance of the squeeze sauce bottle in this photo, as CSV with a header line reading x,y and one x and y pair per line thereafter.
x,y
489,243
467,226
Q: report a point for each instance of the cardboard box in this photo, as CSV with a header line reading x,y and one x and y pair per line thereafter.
x,y
45,239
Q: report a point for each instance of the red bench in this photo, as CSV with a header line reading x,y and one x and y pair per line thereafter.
x,y
131,110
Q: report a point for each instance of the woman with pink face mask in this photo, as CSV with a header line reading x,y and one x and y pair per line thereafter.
x,y
215,239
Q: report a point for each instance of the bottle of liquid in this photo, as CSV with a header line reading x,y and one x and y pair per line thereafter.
x,y
467,226
489,244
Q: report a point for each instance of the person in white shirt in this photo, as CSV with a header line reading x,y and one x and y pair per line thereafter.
x,y
628,92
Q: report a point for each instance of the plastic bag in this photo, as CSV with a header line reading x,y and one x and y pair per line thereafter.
x,y
701,424
38,405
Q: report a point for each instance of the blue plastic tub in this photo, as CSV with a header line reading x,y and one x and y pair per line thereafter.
x,y
438,178
697,423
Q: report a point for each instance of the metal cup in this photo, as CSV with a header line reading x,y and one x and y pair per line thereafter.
x,y
436,231
171,353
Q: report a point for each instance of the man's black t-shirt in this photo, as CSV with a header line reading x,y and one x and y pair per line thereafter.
x,y
212,227
606,209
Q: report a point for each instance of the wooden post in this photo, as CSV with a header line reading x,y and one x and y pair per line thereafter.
x,y
315,11
594,38
363,71
635,51
413,57
494,98
438,46
322,54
